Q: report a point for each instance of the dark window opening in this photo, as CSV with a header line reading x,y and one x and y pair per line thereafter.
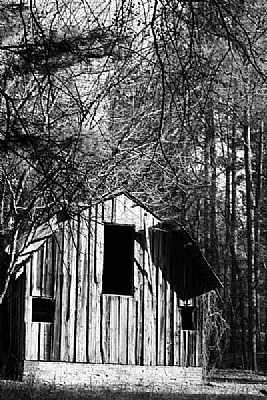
x,y
118,259
43,310
188,318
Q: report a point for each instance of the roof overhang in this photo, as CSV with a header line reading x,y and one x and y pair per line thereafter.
x,y
206,277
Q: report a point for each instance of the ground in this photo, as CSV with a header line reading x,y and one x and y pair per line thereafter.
x,y
220,385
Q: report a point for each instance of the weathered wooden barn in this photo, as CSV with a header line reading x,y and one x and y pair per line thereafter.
x,y
106,292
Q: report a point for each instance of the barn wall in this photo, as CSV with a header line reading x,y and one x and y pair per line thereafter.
x,y
143,329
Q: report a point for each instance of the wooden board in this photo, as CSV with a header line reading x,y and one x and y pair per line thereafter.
x,y
91,288
58,275
105,329
131,332
82,293
123,330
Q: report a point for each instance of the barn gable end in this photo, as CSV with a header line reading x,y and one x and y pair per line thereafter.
x,y
72,309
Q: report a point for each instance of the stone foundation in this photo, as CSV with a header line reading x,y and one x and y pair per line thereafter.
x,y
112,376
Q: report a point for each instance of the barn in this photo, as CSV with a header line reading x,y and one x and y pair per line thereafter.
x,y
108,297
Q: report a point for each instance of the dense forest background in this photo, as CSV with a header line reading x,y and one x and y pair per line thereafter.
x,y
165,99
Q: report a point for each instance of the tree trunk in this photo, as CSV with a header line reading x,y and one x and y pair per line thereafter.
x,y
210,204
213,194
257,224
252,333
227,266
206,202
235,289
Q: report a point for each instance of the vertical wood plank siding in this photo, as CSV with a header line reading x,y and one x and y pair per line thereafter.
x,y
143,329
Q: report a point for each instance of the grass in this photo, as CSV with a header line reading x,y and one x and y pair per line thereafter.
x,y
34,391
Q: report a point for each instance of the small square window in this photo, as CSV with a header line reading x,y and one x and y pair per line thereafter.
x,y
43,309
188,318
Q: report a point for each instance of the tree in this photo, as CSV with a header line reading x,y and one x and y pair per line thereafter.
x,y
150,97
